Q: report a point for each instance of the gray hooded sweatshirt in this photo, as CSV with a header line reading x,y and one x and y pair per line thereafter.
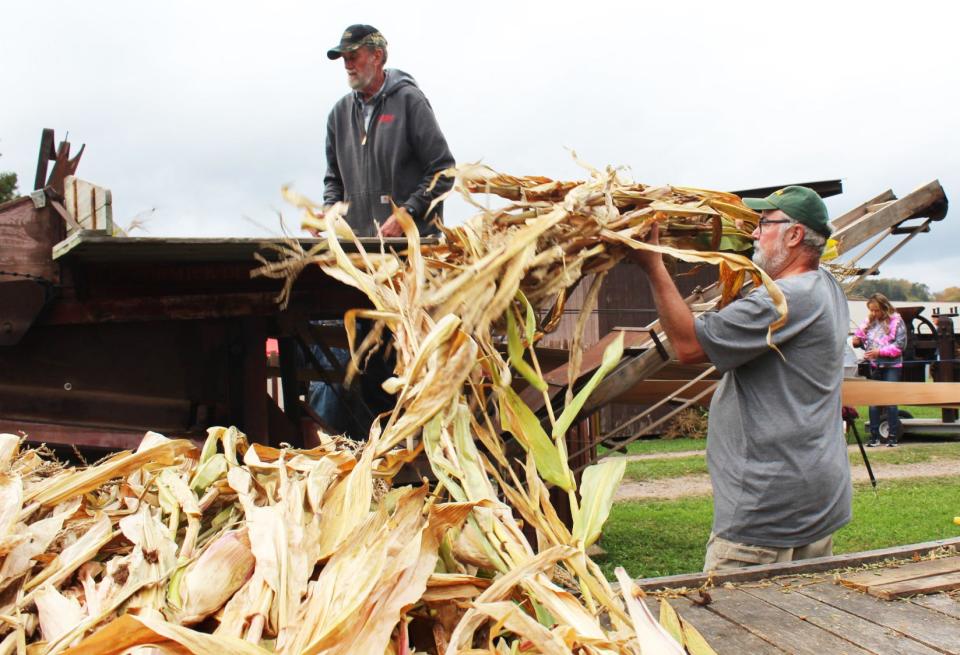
x,y
395,159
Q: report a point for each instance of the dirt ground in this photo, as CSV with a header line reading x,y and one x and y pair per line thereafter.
x,y
699,485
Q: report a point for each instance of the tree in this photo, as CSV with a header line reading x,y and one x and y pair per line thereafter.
x,y
8,186
892,288
950,294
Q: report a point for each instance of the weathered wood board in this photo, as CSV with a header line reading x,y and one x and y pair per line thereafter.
x,y
816,616
928,199
876,392
90,205
801,608
881,579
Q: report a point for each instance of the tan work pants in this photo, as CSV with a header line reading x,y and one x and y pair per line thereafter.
x,y
724,554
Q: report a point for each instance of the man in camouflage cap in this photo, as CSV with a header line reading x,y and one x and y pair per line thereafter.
x,y
383,146
383,141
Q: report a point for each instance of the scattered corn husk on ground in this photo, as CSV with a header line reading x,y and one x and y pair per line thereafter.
x,y
239,548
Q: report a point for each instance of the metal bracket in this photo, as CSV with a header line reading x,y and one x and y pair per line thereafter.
x,y
659,346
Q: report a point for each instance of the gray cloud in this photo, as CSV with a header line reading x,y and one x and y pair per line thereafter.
x,y
200,111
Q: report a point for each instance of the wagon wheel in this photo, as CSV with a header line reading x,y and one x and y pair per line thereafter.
x,y
884,427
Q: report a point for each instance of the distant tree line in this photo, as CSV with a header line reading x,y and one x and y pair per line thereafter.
x,y
950,294
892,288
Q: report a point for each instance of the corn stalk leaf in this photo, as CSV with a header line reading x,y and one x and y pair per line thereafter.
x,y
597,488
524,425
611,357
515,352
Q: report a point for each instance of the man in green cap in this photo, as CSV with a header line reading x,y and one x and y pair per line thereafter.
x,y
775,445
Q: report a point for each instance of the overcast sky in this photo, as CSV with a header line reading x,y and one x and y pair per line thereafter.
x,y
195,113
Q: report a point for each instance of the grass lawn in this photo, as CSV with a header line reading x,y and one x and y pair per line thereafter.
x,y
910,453
654,538
650,446
654,469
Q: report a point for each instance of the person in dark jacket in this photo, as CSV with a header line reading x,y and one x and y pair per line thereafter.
x,y
384,148
383,142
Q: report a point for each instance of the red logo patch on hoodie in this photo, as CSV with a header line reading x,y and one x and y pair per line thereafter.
x,y
387,118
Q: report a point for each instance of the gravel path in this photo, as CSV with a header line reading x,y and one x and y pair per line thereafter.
x,y
699,485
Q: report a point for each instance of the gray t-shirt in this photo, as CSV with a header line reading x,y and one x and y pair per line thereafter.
x,y
775,445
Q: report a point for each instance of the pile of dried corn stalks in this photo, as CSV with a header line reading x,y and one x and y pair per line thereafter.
x,y
246,549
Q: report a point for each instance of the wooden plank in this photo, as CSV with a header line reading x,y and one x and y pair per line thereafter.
x,y
798,567
876,392
929,196
930,584
685,372
943,603
878,206
777,626
860,210
863,580
631,368
96,246
182,307
26,236
910,235
838,622
648,392
925,626
723,635
91,206
594,355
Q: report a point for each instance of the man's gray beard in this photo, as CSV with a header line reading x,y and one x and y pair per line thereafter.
x,y
359,82
774,264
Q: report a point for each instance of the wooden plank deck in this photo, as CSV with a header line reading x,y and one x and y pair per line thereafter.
x,y
786,609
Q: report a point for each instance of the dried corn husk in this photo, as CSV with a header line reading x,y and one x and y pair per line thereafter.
x,y
290,551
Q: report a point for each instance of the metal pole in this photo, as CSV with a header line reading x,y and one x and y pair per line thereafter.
x,y
852,424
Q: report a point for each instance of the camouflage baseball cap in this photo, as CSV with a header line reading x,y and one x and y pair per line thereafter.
x,y
355,37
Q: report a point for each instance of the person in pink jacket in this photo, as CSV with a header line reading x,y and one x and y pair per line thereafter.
x,y
883,336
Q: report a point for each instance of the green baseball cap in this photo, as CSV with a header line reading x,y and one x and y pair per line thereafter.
x,y
800,203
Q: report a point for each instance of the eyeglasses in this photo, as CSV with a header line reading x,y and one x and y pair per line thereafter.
x,y
768,221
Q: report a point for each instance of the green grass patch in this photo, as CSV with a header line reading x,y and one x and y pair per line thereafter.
x,y
902,512
654,538
655,469
650,446
908,454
